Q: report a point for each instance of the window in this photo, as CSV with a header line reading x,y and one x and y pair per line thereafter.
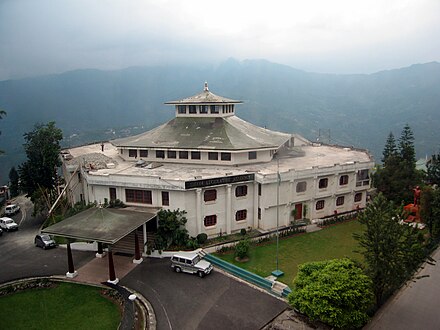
x,y
183,154
192,109
181,109
241,191
160,154
259,213
301,186
252,155
232,108
323,183
225,156
210,220
171,154
358,197
362,178
259,189
340,201
210,195
320,205
132,153
203,109
213,155
343,180
215,109
138,196
165,198
112,193
195,154
143,153
240,215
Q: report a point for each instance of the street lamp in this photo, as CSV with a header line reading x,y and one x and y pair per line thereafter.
x,y
277,272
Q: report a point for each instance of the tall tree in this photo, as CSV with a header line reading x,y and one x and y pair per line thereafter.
x,y
38,174
406,146
433,170
390,249
13,179
390,149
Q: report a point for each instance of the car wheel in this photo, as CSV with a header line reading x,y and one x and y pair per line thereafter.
x,y
177,269
201,274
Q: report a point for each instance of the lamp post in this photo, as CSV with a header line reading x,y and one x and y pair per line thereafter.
x,y
277,272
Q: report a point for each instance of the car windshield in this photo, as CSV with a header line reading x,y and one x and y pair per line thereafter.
x,y
45,237
196,260
8,221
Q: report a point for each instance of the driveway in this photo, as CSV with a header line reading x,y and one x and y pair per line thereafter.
x,y
217,301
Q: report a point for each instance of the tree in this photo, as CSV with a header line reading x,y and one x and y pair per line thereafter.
x,y
391,250
38,174
171,230
390,149
242,249
13,179
433,170
336,292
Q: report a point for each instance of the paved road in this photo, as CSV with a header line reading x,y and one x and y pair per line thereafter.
x,y
20,258
416,305
217,301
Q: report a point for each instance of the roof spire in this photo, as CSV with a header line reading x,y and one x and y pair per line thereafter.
x,y
206,89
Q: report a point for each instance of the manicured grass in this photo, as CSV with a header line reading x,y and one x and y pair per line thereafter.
x,y
65,306
329,243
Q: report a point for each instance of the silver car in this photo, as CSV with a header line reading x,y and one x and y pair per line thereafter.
x,y
44,241
190,262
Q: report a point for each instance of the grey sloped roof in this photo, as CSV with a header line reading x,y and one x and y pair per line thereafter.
x,y
204,97
228,133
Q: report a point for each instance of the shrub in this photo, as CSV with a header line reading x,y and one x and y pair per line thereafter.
x,y
243,231
202,238
242,249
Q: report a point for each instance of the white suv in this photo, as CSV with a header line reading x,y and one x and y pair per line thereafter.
x,y
8,224
190,262
12,209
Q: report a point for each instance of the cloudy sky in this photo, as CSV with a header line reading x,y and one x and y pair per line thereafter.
x,y
338,36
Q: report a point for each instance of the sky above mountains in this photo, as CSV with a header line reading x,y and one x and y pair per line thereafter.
x,y
339,36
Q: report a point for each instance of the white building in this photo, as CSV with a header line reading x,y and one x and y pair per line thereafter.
x,y
222,170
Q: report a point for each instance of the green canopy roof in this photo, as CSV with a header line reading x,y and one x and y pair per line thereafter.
x,y
105,225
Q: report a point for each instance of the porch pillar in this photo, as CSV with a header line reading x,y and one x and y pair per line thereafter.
x,y
199,210
144,231
72,272
111,269
137,255
255,223
100,253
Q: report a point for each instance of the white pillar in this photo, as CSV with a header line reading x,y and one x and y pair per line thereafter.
x,y
228,209
255,225
199,210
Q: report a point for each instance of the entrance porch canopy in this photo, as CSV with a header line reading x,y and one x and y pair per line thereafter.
x,y
105,225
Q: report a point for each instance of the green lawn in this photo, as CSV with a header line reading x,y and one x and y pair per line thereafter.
x,y
329,243
66,306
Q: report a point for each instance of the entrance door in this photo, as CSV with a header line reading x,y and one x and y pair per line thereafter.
x,y
298,211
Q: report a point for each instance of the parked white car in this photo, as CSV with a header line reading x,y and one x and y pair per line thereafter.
x,y
190,262
8,224
12,209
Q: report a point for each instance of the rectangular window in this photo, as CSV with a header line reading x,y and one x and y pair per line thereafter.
x,y
112,193
160,154
259,213
195,154
240,215
165,198
215,109
301,186
213,155
171,154
343,180
259,189
241,191
252,155
183,154
358,197
203,109
210,220
181,109
210,195
192,109
362,178
138,196
320,205
143,153
132,153
225,156
323,183
340,201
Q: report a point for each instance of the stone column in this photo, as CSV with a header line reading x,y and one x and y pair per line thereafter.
x,y
255,224
111,269
228,209
199,210
100,253
137,255
72,272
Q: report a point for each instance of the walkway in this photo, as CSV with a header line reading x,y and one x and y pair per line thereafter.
x,y
415,306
